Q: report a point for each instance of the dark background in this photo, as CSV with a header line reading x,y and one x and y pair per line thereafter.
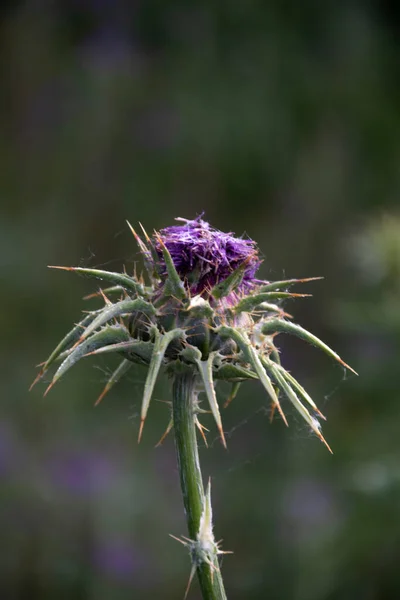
x,y
278,119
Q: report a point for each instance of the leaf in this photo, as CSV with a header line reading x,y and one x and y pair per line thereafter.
x,y
161,343
71,337
251,356
108,335
141,351
291,394
121,279
122,368
283,326
173,285
116,310
223,288
205,369
278,285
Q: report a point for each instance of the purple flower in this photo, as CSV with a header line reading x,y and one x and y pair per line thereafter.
x,y
204,256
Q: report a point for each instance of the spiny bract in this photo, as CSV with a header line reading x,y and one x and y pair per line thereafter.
x,y
201,308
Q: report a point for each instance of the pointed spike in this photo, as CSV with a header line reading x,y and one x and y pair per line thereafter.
x,y
142,247
166,432
205,369
161,344
272,412
49,387
153,253
150,261
232,395
141,430
107,302
201,428
115,278
110,290
148,240
282,326
115,377
37,378
192,572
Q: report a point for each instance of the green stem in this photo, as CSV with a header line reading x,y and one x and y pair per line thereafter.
x,y
184,406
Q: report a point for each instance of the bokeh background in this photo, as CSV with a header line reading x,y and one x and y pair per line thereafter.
x,y
280,120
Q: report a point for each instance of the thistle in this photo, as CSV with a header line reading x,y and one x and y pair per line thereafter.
x,y
202,315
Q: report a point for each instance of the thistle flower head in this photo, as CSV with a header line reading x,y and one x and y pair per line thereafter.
x,y
204,256
203,310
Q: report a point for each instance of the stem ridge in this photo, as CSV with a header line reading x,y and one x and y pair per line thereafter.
x,y
204,557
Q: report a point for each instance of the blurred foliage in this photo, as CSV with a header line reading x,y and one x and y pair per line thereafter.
x,y
279,119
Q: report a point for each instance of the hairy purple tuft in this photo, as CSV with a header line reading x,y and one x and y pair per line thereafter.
x,y
204,256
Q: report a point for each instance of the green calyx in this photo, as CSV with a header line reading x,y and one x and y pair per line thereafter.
x,y
223,336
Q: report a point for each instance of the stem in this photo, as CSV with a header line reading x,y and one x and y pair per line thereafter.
x,y
183,407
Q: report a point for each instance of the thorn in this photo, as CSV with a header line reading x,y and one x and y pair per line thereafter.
x,y
192,572
271,416
49,388
61,268
164,435
202,429
347,366
221,433
107,302
278,406
91,296
144,232
316,409
103,393
140,430
37,378
323,440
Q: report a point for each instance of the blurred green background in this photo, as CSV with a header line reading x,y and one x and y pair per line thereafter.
x,y
278,119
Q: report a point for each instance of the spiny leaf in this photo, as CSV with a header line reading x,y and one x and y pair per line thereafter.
x,y
283,326
116,310
111,290
249,303
205,368
134,350
232,281
231,372
108,335
282,295
71,337
126,282
161,344
251,356
278,285
122,368
173,285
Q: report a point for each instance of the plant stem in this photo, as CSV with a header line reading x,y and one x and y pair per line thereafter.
x,y
183,408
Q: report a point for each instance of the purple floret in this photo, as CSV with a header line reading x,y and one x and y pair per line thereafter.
x,y
204,256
